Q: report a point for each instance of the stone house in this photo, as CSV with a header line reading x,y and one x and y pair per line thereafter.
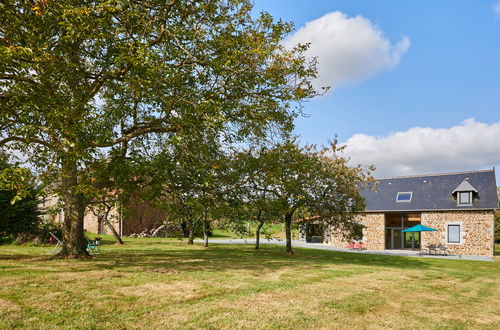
x,y
131,218
460,206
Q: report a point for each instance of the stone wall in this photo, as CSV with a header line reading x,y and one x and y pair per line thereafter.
x,y
52,212
91,223
476,231
139,216
373,233
50,209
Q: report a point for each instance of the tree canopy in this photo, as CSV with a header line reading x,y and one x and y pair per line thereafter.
x,y
84,81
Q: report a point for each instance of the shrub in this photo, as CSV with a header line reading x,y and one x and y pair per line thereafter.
x,y
40,235
20,217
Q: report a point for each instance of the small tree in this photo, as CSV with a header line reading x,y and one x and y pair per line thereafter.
x,y
316,181
252,200
193,180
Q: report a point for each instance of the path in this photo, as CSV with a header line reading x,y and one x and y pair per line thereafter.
x,y
321,246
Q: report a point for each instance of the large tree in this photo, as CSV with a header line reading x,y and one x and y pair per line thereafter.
x,y
84,80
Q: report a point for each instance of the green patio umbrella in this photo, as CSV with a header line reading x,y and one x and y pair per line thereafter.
x,y
418,228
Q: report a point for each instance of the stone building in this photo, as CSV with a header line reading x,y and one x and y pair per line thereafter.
x,y
460,206
131,218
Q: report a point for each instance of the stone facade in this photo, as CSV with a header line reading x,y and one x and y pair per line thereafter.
x,y
139,216
135,217
373,232
91,222
476,231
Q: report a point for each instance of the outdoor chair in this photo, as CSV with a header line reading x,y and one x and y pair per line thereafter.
x,y
350,245
425,250
94,247
432,249
57,248
358,246
443,250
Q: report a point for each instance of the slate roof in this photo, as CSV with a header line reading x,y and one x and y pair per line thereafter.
x,y
432,192
465,186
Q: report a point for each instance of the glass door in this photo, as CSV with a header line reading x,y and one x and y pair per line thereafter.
x,y
412,240
396,241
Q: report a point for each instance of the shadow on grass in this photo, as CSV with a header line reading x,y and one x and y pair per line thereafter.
x,y
180,257
171,256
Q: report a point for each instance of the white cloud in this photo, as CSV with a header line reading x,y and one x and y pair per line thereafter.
x,y
349,49
496,8
419,150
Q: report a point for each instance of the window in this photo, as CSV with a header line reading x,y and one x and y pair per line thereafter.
x,y
404,197
464,198
453,233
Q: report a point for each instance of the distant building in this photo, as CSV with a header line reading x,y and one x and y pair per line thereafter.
x,y
460,206
131,218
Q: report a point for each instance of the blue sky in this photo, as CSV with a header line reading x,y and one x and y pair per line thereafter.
x,y
448,72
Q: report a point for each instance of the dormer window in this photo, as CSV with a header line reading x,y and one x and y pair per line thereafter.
x,y
465,197
404,196
464,193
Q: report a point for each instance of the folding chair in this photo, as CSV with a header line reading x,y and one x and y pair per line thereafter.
x,y
56,248
94,247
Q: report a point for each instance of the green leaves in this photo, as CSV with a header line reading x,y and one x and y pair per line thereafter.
x,y
18,180
90,82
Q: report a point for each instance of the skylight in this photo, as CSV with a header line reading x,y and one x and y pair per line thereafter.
x,y
404,197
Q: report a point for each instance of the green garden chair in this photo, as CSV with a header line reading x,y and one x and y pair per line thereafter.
x,y
94,247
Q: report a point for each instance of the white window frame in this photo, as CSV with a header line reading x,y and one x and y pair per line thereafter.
x,y
470,198
404,192
459,233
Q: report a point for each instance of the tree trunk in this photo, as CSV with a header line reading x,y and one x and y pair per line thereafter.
x,y
73,241
113,230
191,237
100,225
110,226
205,232
288,230
190,229
257,235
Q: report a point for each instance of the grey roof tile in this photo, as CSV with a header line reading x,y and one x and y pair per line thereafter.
x,y
432,192
465,186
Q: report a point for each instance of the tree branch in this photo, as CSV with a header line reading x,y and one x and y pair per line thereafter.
x,y
135,133
17,78
24,140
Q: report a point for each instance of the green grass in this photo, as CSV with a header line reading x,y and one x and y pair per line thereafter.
x,y
160,283
272,231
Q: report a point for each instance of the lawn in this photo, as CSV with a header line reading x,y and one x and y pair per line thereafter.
x,y
272,231
159,283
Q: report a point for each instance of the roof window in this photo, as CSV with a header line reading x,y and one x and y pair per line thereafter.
x,y
404,196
